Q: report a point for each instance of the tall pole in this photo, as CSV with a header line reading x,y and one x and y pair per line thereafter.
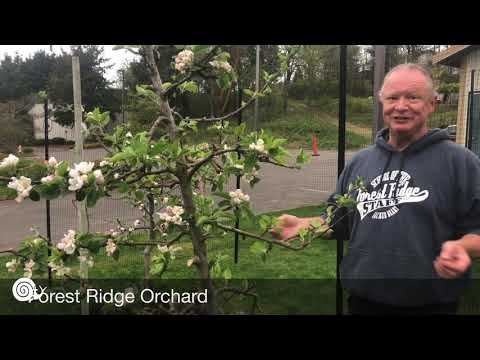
x,y
237,221
257,86
123,96
379,74
78,156
341,158
47,202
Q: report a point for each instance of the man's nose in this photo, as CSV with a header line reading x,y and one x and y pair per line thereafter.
x,y
401,104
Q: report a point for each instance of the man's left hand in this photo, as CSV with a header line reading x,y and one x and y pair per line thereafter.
x,y
453,260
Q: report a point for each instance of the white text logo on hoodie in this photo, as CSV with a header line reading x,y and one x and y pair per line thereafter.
x,y
390,189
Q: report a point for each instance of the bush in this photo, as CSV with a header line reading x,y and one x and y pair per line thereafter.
x,y
12,135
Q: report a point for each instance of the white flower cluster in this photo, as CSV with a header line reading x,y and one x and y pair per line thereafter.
x,y
12,265
111,247
52,162
238,197
170,249
250,176
105,163
48,179
183,60
10,161
28,269
22,186
221,65
172,214
67,244
258,146
59,268
79,175
86,259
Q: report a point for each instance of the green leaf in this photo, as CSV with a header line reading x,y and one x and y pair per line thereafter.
x,y
202,219
92,198
227,274
258,247
265,222
139,195
302,157
62,169
123,187
248,92
240,130
222,195
158,148
190,86
34,195
80,195
116,254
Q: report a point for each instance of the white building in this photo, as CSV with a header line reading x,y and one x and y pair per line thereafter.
x,y
55,130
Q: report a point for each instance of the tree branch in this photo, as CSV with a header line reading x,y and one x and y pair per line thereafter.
x,y
11,251
255,236
267,160
199,163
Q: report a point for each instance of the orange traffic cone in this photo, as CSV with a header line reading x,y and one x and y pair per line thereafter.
x,y
315,145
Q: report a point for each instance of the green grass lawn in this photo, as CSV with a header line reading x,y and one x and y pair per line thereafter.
x,y
289,282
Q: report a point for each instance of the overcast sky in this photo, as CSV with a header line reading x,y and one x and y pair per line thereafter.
x,y
116,58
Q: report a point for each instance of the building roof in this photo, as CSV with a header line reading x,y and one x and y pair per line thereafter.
x,y
452,55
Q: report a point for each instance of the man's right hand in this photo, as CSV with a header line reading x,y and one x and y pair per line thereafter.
x,y
290,226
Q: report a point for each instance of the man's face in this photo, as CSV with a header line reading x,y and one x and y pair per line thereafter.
x,y
407,103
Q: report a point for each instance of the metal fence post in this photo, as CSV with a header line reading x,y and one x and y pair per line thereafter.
x,y
47,202
341,159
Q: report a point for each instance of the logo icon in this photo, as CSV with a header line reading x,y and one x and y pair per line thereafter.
x,y
24,289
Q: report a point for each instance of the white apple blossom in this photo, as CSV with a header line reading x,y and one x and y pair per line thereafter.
x,y
250,176
52,162
137,223
22,186
221,65
86,259
47,179
28,268
116,176
172,214
67,244
12,265
170,249
10,161
99,177
84,167
258,146
128,135
60,269
76,182
111,247
183,60
237,197
105,163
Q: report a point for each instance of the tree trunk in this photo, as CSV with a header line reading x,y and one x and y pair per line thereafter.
x,y
147,252
198,241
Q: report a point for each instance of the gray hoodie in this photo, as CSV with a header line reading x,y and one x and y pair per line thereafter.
x,y
415,200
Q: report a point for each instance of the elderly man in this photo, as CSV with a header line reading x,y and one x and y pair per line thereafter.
x,y
417,226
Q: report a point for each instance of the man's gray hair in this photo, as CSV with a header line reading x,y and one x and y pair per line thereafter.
x,y
416,67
